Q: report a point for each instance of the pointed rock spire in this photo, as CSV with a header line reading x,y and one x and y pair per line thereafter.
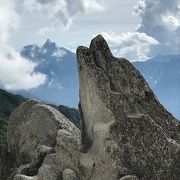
x,y
125,129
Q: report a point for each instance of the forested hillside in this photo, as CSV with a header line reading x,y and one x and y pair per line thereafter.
x,y
8,102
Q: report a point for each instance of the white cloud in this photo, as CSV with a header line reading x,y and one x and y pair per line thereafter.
x,y
63,11
171,22
134,46
15,72
158,32
55,84
9,20
45,30
93,6
161,20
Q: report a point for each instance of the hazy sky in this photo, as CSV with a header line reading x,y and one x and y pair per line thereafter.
x,y
115,16
134,29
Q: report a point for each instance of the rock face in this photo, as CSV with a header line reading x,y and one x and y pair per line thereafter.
x,y
69,174
33,141
125,130
126,134
33,124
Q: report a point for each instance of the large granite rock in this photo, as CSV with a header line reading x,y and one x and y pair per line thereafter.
x,y
48,172
33,141
67,149
33,124
125,130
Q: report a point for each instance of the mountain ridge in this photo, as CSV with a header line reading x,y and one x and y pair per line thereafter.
x,y
59,64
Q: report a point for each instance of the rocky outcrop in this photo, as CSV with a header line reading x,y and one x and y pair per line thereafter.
x,y
69,174
33,141
126,134
125,130
33,124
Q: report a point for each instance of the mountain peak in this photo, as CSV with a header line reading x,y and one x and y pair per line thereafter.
x,y
48,41
49,44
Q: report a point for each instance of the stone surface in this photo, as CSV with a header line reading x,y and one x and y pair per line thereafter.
x,y
48,172
33,124
129,177
125,130
34,132
23,177
69,174
50,159
32,168
67,150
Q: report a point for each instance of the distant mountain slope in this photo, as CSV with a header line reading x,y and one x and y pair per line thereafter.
x,y
163,75
9,101
59,64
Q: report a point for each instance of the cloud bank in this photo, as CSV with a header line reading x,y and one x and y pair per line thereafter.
x,y
16,73
64,11
161,20
158,32
134,46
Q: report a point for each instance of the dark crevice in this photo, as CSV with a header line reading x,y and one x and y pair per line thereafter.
x,y
86,141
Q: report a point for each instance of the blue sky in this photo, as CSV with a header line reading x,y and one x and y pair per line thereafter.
x,y
134,29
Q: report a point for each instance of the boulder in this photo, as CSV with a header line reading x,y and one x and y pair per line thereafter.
x,y
34,142
50,159
48,172
67,150
125,129
34,124
69,174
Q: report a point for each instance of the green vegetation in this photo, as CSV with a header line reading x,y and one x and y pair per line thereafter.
x,y
3,128
8,102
